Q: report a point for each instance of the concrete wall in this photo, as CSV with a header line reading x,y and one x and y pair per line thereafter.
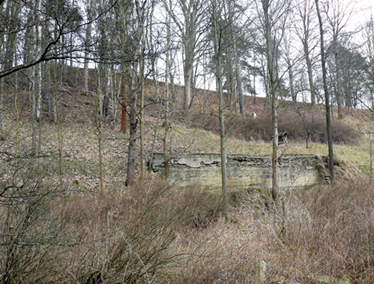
x,y
244,171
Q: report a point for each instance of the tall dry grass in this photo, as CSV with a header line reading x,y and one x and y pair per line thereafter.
x,y
321,235
156,233
330,231
122,235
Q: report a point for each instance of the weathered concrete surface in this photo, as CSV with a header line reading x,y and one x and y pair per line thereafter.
x,y
244,171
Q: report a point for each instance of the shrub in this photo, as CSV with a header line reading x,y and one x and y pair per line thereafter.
x,y
48,235
32,233
299,124
328,232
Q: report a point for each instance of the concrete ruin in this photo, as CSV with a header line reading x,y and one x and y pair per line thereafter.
x,y
244,171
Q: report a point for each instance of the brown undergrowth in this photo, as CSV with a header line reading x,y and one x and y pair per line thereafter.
x,y
300,124
156,233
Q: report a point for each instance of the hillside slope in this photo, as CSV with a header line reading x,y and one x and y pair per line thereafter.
x,y
198,133
59,226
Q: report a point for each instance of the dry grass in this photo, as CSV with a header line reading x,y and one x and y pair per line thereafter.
x,y
50,235
319,236
156,234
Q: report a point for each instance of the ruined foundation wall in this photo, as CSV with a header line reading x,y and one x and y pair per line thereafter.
x,y
244,171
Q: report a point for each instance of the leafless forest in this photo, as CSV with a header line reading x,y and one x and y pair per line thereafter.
x,y
90,89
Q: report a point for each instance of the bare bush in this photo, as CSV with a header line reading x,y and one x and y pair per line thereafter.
x,y
300,126
327,234
340,230
32,233
47,236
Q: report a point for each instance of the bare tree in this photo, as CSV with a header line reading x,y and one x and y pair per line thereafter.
x,y
122,11
89,11
37,73
338,16
239,82
167,97
132,17
219,46
305,10
234,70
290,61
189,17
368,51
273,20
327,97
66,20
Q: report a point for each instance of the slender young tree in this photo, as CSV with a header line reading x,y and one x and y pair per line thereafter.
x,y
2,64
38,75
219,26
167,98
142,115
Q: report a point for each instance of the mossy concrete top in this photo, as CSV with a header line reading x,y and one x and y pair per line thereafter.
x,y
243,171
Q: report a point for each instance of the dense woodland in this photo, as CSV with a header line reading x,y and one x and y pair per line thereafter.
x,y
90,89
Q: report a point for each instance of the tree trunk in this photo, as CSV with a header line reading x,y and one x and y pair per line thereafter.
x,y
11,13
187,87
239,82
338,94
35,80
293,94
310,73
142,116
274,191
2,62
327,98
33,112
99,140
271,68
57,121
115,91
133,130
38,78
254,77
1,106
87,45
230,81
135,88
167,97
205,93
124,101
218,54
106,90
